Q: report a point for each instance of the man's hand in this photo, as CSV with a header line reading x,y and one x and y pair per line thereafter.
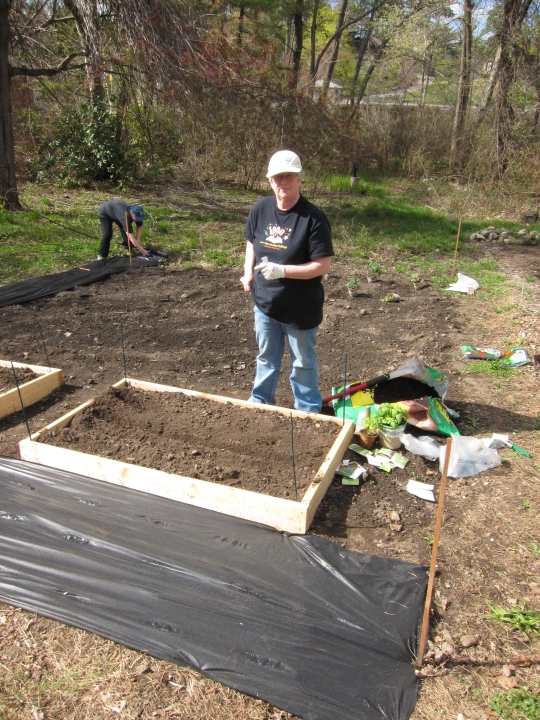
x,y
270,270
246,281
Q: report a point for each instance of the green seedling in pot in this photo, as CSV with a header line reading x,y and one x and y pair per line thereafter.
x,y
372,424
353,283
373,269
392,416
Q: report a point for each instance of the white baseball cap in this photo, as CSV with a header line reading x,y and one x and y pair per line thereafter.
x,y
284,161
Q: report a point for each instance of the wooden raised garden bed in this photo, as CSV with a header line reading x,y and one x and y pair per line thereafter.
x,y
290,515
47,380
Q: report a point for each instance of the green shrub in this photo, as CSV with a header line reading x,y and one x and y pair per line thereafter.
x,y
85,147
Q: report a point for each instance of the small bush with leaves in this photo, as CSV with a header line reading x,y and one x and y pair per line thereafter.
x,y
85,147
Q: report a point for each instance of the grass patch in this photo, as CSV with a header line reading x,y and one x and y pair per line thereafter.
x,y
505,308
520,618
493,368
519,704
60,230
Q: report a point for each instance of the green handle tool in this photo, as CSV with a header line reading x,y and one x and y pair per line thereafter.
x,y
518,449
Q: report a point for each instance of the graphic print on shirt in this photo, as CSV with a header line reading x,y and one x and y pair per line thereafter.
x,y
276,236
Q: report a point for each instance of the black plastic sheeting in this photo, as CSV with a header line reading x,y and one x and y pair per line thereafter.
x,y
315,629
34,288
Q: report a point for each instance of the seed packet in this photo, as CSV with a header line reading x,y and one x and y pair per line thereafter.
x,y
351,471
516,357
476,353
359,450
399,460
380,462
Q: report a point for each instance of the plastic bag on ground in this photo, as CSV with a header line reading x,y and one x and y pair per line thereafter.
x,y
464,284
425,446
469,456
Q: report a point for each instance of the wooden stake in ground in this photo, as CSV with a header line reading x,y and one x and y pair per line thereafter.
x,y
129,244
438,522
455,252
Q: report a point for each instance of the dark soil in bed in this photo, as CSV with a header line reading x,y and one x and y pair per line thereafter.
x,y
7,381
200,438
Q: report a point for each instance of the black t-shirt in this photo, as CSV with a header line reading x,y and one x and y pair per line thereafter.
x,y
290,237
115,210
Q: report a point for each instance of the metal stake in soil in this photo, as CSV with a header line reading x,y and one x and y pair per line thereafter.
x,y
20,400
43,341
123,353
344,383
292,457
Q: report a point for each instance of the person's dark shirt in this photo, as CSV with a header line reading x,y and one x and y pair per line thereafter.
x,y
289,237
115,210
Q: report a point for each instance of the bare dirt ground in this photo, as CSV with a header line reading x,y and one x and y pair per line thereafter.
x,y
193,328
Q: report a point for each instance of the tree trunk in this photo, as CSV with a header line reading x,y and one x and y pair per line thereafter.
x,y
426,74
298,25
9,196
240,28
335,50
464,87
313,38
360,60
503,70
367,76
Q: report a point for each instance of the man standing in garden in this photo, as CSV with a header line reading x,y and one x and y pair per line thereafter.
x,y
288,250
123,215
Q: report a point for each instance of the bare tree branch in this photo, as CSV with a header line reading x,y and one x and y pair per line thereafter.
x,y
49,72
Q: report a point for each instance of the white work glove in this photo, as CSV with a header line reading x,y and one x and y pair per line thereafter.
x,y
270,270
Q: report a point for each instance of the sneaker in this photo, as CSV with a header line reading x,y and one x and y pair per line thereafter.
x,y
100,257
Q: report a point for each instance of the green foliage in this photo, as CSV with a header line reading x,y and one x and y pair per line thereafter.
x,y
504,309
520,617
518,704
373,424
534,548
392,415
374,269
493,368
85,147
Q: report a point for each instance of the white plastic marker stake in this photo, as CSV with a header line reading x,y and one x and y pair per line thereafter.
x,y
438,523
421,490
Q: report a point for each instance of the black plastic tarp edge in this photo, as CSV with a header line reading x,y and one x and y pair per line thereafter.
x,y
86,274
299,621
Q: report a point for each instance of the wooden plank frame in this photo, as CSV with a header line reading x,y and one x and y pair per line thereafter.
x,y
286,515
32,391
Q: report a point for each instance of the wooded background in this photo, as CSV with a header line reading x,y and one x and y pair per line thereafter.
x,y
146,90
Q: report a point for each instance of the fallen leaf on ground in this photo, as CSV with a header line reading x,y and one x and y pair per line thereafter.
x,y
508,683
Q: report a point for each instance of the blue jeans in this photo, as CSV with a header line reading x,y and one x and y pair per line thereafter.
x,y
270,335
